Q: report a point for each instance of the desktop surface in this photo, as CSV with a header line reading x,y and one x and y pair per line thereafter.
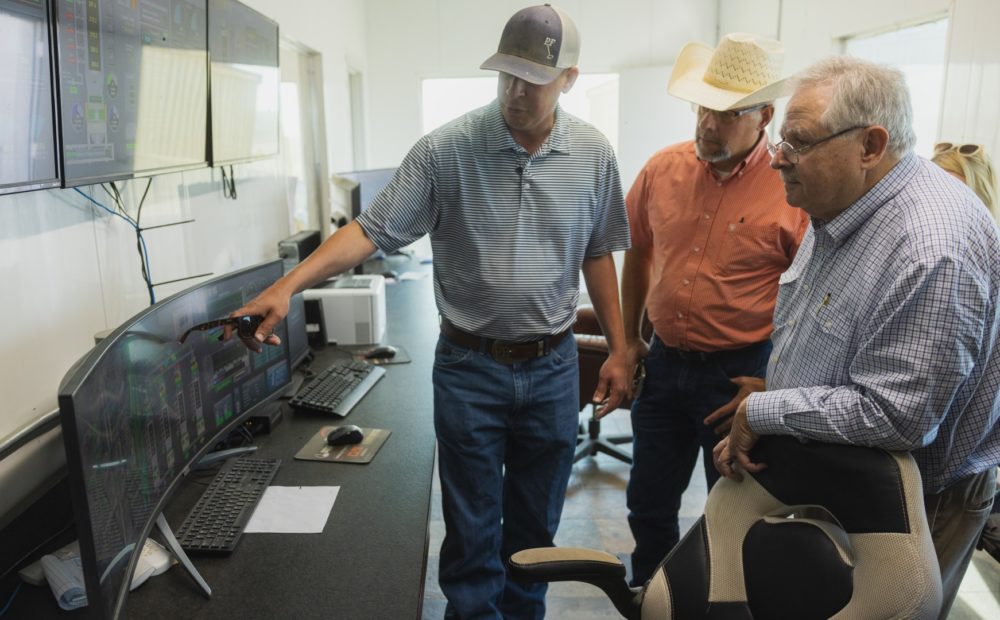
x,y
371,559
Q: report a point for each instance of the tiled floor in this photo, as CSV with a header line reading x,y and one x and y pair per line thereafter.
x,y
595,516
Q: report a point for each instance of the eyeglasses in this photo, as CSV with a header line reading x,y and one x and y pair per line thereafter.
x,y
245,326
964,149
792,153
726,116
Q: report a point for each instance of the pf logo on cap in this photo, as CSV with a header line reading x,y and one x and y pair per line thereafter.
x,y
549,42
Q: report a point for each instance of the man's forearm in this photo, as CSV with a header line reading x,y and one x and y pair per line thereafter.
x,y
602,284
346,248
635,286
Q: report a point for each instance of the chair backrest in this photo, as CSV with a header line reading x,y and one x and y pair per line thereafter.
x,y
826,531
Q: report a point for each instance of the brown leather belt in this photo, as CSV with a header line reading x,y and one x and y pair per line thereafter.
x,y
503,351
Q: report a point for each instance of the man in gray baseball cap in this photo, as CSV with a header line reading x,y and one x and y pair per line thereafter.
x,y
518,198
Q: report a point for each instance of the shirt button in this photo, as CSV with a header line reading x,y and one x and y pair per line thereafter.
x,y
697,249
527,186
707,216
680,315
718,184
686,282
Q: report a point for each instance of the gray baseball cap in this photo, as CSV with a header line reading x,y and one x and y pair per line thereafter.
x,y
538,43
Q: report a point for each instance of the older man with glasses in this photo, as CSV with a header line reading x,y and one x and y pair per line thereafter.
x,y
886,324
711,233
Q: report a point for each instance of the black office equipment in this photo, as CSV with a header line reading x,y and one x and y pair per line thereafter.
x,y
344,435
28,159
298,338
338,388
243,47
216,523
141,408
132,87
366,185
296,248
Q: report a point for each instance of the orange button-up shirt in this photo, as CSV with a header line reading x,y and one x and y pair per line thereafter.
x,y
718,246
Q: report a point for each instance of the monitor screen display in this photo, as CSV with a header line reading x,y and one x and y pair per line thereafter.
x,y
370,183
243,47
133,87
28,152
141,407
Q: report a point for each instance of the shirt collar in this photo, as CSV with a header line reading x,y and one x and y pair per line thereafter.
x,y
498,137
754,157
851,219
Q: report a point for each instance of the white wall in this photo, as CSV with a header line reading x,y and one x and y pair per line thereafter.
x,y
410,40
971,110
812,29
335,29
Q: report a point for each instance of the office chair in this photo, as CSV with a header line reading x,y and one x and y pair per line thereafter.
x,y
826,531
593,351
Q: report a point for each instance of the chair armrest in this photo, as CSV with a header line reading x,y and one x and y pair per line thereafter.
x,y
597,568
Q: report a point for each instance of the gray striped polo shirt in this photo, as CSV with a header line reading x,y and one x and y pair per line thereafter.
x,y
509,231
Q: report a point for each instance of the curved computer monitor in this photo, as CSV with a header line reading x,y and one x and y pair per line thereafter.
x,y
140,408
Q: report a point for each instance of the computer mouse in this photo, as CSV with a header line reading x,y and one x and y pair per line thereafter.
x,y
390,274
345,434
382,352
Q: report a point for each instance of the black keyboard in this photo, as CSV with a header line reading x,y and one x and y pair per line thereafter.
x,y
216,523
338,388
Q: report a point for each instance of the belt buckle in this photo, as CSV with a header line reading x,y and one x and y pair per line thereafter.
x,y
504,352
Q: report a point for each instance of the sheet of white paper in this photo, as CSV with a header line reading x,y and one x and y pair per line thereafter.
x,y
293,510
414,275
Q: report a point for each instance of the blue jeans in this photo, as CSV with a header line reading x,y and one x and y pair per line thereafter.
x,y
506,436
680,390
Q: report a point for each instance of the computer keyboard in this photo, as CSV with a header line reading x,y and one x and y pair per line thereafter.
x,y
216,523
338,388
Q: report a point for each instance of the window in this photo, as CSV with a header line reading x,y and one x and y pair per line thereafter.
x,y
594,98
919,52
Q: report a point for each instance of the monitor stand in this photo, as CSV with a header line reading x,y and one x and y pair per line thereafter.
x,y
175,547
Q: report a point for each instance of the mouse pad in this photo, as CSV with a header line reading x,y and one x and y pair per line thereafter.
x,y
316,449
401,356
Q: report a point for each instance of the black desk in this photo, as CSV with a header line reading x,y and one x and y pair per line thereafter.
x,y
370,560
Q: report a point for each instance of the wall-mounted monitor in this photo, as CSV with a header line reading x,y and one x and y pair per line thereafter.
x,y
243,47
28,147
133,87
140,408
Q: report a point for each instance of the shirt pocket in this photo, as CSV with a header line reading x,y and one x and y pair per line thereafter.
x,y
746,247
831,324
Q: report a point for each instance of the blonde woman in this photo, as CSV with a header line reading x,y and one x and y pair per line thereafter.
x,y
970,164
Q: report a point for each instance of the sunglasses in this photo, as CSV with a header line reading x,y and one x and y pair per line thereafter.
x,y
964,149
245,326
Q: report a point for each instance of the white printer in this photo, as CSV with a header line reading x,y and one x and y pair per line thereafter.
x,y
353,308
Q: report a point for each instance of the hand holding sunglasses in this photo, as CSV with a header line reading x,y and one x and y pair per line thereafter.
x,y
245,326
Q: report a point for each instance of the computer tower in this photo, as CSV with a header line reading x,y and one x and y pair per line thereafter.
x,y
296,248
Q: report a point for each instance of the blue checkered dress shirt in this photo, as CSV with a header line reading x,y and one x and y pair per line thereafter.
x,y
886,326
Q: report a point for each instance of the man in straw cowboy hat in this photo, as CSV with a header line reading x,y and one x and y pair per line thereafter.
x,y
711,234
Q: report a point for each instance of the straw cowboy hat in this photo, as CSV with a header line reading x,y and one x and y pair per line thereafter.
x,y
743,71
